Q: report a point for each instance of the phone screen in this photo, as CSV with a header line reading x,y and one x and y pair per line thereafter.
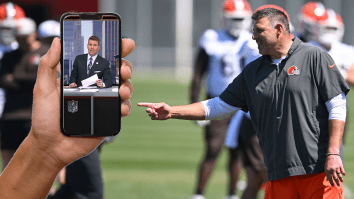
x,y
90,65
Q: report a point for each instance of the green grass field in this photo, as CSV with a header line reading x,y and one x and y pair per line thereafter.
x,y
159,159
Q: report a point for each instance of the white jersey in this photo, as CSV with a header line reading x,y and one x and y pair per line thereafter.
x,y
343,56
227,57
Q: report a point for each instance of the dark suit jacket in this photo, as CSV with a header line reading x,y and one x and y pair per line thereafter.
x,y
79,71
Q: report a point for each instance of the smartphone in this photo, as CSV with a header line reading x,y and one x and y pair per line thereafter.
x,y
90,74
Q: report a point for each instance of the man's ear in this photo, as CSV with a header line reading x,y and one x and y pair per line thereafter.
x,y
280,28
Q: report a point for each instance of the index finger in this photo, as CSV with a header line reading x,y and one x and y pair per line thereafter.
x,y
128,46
329,178
145,104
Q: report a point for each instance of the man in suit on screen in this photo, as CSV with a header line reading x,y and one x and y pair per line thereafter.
x,y
87,65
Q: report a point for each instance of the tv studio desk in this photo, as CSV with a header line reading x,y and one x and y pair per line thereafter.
x,y
97,112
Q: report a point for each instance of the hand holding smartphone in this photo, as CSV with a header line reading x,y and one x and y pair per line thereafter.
x,y
90,60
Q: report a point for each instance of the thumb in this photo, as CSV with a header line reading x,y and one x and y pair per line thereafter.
x,y
47,69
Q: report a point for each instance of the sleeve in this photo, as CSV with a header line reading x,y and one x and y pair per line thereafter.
x,y
200,68
234,94
209,42
337,107
215,108
74,72
107,79
330,81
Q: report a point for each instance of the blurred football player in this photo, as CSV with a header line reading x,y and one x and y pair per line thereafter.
x,y
18,75
310,14
9,12
48,30
328,34
222,56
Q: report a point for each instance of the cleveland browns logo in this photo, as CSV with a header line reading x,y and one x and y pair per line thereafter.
x,y
293,71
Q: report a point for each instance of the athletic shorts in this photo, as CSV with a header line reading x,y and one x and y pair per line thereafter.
x,y
13,132
246,141
309,186
217,129
231,140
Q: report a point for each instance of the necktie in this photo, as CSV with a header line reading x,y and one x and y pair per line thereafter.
x,y
89,66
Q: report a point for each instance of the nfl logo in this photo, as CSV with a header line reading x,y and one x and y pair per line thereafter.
x,y
73,106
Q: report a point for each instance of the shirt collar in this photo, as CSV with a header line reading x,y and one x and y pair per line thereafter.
x,y
93,58
296,43
293,47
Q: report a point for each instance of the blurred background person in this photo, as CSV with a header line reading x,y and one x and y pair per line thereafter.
x,y
328,32
310,14
9,12
242,136
18,74
48,30
222,56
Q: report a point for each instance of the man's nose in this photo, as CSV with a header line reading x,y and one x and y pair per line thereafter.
x,y
253,36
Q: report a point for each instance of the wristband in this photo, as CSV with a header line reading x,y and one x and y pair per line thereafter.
x,y
328,154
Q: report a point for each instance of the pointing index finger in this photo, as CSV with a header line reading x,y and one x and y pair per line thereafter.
x,y
145,104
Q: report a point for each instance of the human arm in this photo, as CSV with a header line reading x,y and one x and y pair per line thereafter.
x,y
100,83
74,73
46,150
73,85
214,108
334,167
337,116
107,79
162,111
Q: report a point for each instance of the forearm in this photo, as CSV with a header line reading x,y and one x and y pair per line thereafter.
x,y
193,111
336,121
74,73
336,129
30,174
